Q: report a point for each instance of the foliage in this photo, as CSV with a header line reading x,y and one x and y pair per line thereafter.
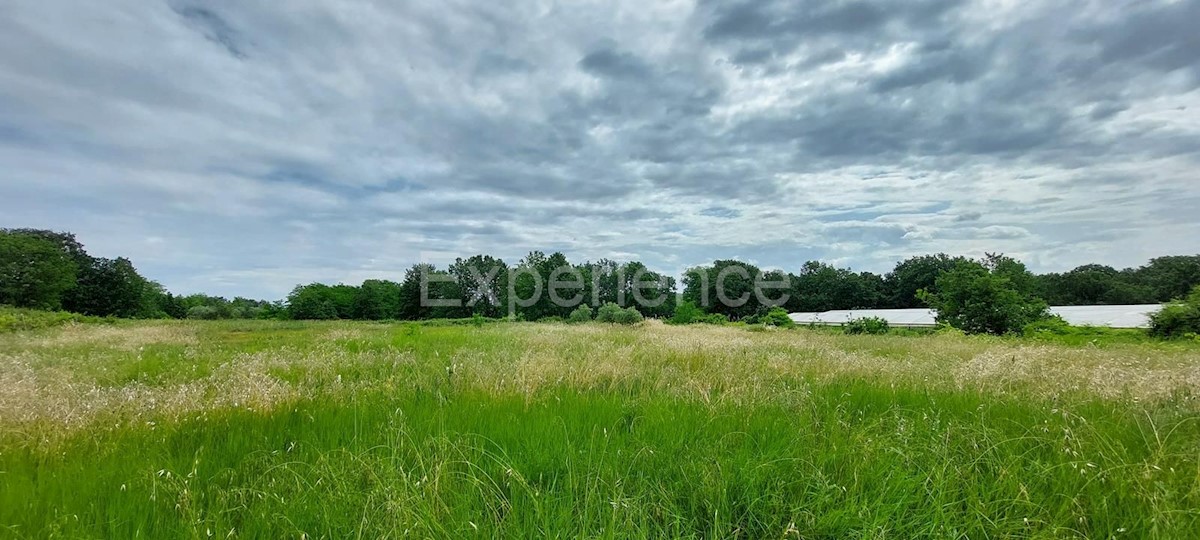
x,y
580,314
686,312
19,319
1180,318
866,325
777,317
34,273
608,313
993,296
822,287
917,274
614,314
713,318
629,315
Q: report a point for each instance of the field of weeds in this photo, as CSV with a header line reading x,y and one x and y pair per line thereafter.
x,y
361,430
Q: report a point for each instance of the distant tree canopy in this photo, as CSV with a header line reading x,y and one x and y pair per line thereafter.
x,y
52,270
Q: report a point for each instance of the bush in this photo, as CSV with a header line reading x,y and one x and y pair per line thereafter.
x,y
714,318
614,314
1179,318
686,313
1052,325
550,319
608,313
17,319
205,313
777,316
581,314
866,325
629,315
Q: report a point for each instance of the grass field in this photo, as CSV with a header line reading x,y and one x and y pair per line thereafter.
x,y
522,430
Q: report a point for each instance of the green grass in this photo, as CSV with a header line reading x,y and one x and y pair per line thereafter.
x,y
359,430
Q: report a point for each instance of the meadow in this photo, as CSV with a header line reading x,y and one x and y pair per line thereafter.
x,y
270,429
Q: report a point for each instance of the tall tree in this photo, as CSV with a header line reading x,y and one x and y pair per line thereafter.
x,y
915,274
110,287
34,272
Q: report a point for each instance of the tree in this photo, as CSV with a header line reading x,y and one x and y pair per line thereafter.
x,y
110,287
993,296
377,300
726,287
483,280
312,302
915,274
822,287
1093,284
34,272
1170,277
410,307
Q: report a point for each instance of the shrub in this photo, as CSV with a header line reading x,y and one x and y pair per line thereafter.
x,y
608,313
777,316
686,313
550,319
629,315
1179,318
206,313
866,325
1053,324
17,319
714,318
581,314
614,314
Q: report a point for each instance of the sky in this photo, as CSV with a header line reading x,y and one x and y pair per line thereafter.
x,y
242,147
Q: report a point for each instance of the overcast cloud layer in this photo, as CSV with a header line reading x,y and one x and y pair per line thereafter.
x,y
236,147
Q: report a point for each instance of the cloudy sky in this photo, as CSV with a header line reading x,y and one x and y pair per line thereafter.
x,y
237,147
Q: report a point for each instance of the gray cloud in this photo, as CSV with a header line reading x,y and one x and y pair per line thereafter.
x,y
239,148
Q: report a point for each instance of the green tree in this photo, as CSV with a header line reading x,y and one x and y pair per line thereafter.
x,y
34,272
993,296
915,274
110,287
726,287
483,280
377,300
1170,277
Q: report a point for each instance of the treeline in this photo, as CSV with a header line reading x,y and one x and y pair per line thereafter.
x,y
819,287
51,270
537,287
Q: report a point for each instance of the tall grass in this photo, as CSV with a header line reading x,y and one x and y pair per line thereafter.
x,y
338,430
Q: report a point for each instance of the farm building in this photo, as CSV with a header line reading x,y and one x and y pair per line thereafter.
x,y
1133,316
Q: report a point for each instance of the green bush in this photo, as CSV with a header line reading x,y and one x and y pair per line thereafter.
x,y
204,313
777,316
581,314
1180,318
866,325
686,313
630,315
550,319
614,314
16,319
1052,325
714,318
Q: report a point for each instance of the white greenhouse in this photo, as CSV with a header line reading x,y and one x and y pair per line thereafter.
x,y
1133,316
